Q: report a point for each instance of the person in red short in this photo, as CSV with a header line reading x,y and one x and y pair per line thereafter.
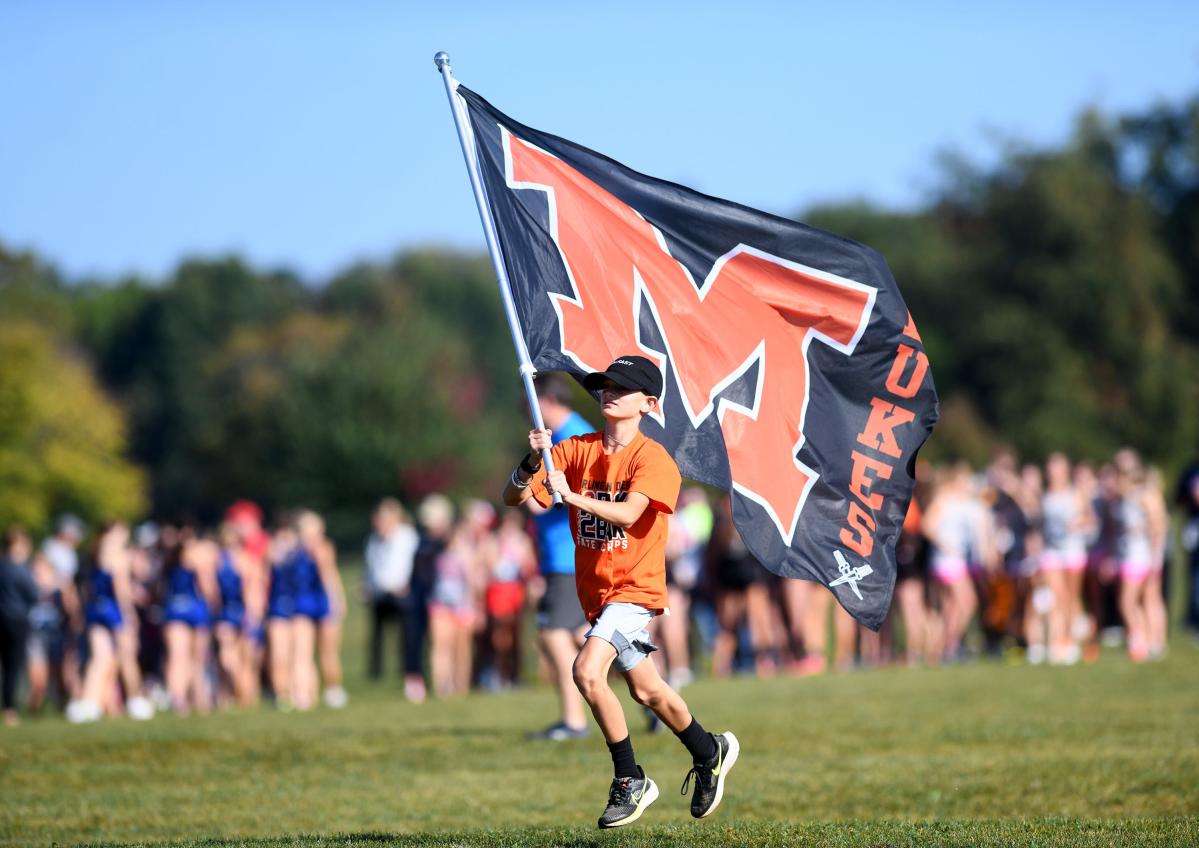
x,y
621,487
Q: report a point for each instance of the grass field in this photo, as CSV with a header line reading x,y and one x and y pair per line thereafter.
x,y
984,754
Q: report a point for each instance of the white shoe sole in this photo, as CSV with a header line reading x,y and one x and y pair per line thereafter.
x,y
651,795
730,759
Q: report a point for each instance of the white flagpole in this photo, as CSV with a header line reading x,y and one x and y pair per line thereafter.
x,y
466,139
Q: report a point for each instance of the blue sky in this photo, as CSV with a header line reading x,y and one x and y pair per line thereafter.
x,y
309,135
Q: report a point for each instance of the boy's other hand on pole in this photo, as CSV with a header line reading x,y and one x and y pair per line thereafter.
x,y
556,482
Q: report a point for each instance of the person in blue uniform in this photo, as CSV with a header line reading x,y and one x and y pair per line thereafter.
x,y
233,642
190,594
320,610
280,613
109,616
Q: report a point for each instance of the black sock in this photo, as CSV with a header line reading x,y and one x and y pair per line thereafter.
x,y
623,760
698,742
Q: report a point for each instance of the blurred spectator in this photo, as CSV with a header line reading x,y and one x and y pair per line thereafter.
x,y
320,611
560,620
62,551
52,621
742,596
1011,539
390,559
453,604
512,564
191,595
435,519
18,595
911,588
1100,584
1141,549
232,640
62,548
1187,497
146,563
109,612
1066,519
1156,615
690,530
281,611
479,521
245,518
958,527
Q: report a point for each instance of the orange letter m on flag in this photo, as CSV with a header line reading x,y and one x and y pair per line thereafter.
x,y
752,308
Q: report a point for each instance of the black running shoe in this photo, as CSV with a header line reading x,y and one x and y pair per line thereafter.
x,y
709,776
628,799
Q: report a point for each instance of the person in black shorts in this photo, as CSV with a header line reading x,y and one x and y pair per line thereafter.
x,y
742,589
560,620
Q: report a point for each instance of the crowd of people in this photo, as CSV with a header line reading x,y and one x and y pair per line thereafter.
x,y
168,617
1037,562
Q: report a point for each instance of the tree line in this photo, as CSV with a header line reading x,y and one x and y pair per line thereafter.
x,y
1057,293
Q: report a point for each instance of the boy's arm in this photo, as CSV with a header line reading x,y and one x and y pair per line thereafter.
x,y
621,513
655,484
514,495
518,489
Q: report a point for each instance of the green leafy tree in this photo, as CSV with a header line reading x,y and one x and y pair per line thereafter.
x,y
62,442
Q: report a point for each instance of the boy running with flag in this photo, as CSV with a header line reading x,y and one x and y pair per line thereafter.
x,y
620,487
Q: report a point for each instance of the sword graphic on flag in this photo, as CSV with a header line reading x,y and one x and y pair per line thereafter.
x,y
795,378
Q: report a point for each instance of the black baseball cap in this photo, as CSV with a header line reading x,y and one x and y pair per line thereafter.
x,y
632,372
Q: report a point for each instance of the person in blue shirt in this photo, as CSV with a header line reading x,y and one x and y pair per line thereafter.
x,y
560,620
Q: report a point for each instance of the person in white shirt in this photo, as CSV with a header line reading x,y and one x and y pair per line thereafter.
x,y
62,548
389,557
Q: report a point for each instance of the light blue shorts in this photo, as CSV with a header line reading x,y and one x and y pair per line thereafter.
x,y
624,627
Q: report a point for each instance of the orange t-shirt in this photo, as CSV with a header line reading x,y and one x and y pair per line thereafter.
x,y
617,564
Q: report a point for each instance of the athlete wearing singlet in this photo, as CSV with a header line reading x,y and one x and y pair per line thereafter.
x,y
281,600
233,607
1133,543
112,646
1065,545
102,606
957,526
453,587
102,611
312,601
955,532
280,615
184,603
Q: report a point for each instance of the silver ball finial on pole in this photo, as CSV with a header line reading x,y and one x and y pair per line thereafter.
x,y
441,58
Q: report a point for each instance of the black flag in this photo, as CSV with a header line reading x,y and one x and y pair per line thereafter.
x,y
795,378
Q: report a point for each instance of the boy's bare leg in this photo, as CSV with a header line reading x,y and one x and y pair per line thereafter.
x,y
712,755
591,676
649,689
